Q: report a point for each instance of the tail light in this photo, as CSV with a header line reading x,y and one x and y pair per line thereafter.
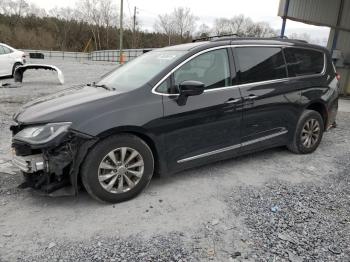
x,y
337,75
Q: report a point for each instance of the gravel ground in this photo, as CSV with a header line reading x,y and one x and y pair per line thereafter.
x,y
268,206
306,221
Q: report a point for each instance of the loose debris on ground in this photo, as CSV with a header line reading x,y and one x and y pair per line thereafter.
x,y
299,222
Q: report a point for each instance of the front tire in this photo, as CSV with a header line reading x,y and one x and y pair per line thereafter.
x,y
17,64
118,168
308,133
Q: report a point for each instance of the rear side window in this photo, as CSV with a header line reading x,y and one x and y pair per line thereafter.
x,y
303,61
2,51
260,64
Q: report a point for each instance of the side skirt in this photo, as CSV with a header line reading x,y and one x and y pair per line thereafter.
x,y
233,147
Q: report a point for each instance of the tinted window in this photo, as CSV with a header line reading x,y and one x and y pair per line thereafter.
x,y
304,61
260,64
211,68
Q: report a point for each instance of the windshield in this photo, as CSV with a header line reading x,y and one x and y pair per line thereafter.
x,y
140,70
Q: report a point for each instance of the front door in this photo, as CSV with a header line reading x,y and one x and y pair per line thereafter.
x,y
208,125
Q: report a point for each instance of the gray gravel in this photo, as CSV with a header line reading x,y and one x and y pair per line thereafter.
x,y
268,206
300,222
157,248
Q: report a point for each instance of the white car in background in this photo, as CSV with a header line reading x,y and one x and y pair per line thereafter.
x,y
10,58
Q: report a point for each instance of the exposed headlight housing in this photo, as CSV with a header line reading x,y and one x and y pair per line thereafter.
x,y
42,134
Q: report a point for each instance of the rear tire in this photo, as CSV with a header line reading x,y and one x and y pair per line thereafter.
x,y
308,133
118,168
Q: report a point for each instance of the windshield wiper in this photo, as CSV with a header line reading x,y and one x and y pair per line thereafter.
x,y
102,86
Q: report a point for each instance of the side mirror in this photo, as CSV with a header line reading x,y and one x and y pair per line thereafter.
x,y
189,88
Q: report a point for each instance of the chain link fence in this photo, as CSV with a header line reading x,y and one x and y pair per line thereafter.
x,y
102,55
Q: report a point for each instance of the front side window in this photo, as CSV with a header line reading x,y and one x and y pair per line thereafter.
x,y
211,68
260,64
303,61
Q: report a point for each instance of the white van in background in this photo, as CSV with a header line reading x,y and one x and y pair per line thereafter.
x,y
10,58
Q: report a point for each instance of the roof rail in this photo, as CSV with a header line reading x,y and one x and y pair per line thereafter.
x,y
290,39
239,37
208,38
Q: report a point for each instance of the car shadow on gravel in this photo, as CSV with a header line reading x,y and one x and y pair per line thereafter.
x,y
195,175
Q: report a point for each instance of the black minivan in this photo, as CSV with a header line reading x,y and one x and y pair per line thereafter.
x,y
175,108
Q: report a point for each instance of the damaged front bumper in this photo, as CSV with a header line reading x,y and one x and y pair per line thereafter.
x,y
29,164
52,166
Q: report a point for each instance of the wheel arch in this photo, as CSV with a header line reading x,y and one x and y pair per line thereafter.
x,y
14,66
143,134
321,108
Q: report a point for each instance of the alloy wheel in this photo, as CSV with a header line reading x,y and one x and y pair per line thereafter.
x,y
120,170
310,133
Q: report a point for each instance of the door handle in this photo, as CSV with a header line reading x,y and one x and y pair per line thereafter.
x,y
251,97
233,101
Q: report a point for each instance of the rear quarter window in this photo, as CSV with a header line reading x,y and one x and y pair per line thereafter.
x,y
302,62
258,64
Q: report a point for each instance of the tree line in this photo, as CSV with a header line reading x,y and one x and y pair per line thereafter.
x,y
95,22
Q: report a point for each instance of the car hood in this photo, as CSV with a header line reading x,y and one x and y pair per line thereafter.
x,y
61,106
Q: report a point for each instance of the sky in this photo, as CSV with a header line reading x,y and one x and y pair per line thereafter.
x,y
207,11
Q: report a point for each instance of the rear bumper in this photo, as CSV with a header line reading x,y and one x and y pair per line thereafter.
x,y
29,164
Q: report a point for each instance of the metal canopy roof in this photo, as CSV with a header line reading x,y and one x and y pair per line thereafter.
x,y
318,12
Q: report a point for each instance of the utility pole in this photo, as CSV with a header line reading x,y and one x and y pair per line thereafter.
x,y
121,33
134,28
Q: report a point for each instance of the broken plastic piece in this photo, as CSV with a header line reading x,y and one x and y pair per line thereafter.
x,y
18,75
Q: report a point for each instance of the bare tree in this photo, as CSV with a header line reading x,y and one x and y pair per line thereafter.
x,y
99,14
165,24
65,16
181,22
109,16
14,7
184,21
222,26
87,13
242,26
203,31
